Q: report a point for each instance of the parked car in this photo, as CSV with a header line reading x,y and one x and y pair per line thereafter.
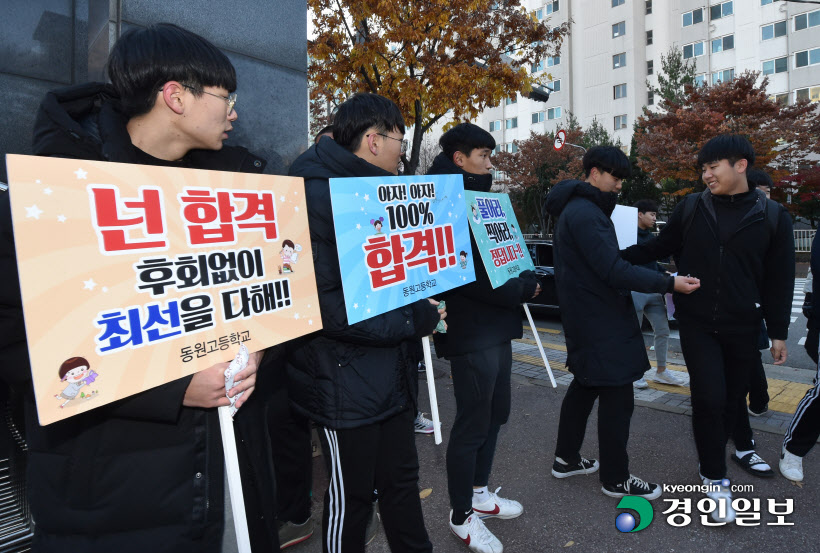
x,y
541,253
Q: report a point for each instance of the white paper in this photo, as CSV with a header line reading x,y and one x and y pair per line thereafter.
x,y
625,219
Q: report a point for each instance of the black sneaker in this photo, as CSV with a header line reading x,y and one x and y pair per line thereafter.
x,y
584,466
633,486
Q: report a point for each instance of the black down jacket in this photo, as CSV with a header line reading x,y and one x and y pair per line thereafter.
x,y
346,376
604,342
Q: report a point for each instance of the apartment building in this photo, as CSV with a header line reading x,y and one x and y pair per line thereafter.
x,y
615,46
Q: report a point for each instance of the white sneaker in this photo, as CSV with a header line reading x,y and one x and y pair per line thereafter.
x,y
640,384
475,535
667,377
791,466
497,507
423,425
722,496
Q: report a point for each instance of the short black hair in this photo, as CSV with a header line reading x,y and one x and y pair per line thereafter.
x,y
326,130
731,147
758,177
607,159
645,206
144,59
361,112
464,138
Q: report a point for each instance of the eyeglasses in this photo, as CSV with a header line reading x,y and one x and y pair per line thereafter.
x,y
403,141
230,98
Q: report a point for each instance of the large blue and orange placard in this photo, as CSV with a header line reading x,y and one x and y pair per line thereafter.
x,y
498,236
400,239
133,276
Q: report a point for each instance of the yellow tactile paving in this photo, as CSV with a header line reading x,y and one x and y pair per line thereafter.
x,y
783,394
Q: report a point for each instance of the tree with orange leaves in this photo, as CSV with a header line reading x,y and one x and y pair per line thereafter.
x,y
431,57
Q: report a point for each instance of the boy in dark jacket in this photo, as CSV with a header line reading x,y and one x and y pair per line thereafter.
x,y
605,348
355,381
144,473
481,323
741,246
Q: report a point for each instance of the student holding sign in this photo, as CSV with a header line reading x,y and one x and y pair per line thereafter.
x,y
482,322
144,473
354,380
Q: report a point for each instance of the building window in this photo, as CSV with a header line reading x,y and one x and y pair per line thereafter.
x,y
511,148
512,123
648,38
513,100
720,10
812,94
650,67
806,20
693,18
619,60
807,57
693,50
619,29
495,125
723,76
554,113
700,80
765,2
498,148
536,67
723,43
780,65
774,30
650,98
619,91
616,3
648,7
553,60
782,99
620,122
555,85
549,115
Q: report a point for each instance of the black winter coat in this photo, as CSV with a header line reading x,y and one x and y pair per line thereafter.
x,y
347,376
144,473
478,316
604,342
748,277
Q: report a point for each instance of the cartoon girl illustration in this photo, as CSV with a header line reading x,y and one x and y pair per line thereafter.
x,y
377,224
77,372
476,216
289,253
463,261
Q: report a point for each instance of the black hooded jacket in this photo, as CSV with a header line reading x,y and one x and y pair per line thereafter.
x,y
604,342
745,272
346,376
143,473
478,316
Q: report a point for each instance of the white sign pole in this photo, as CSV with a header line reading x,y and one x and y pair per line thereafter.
x,y
243,539
540,347
431,388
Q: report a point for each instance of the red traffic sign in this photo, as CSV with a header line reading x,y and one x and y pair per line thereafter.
x,y
560,138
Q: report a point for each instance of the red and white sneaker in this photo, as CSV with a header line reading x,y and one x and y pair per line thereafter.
x,y
497,507
475,535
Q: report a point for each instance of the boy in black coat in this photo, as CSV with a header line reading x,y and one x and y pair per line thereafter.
x,y
605,348
741,246
482,321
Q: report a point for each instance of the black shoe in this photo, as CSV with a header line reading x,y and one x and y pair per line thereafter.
x,y
751,460
633,486
758,412
584,466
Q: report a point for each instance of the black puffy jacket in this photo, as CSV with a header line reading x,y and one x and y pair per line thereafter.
x,y
143,473
346,376
604,342
479,316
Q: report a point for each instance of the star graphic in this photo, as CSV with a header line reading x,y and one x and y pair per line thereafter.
x,y
310,322
367,197
296,208
89,284
357,194
34,212
281,198
459,195
37,181
61,218
81,175
355,306
47,191
296,316
449,214
368,310
358,226
362,209
105,289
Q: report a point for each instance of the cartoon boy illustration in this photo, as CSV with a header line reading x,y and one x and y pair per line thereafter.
x,y
463,256
377,224
289,253
476,216
77,372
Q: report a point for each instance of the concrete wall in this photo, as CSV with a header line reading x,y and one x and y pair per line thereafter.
x,y
48,44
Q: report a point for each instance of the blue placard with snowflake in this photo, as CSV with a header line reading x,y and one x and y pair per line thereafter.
x,y
400,239
498,236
